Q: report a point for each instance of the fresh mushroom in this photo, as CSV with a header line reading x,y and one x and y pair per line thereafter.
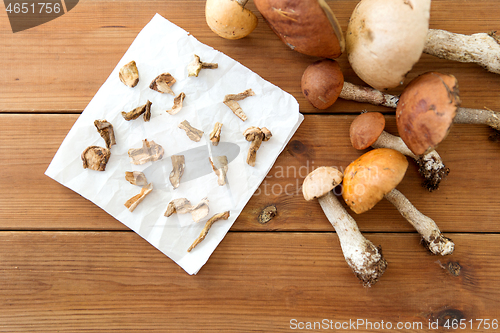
x,y
375,175
229,18
306,26
364,258
367,130
256,135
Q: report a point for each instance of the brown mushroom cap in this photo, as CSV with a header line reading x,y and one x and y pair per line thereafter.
x,y
426,110
306,26
322,83
371,176
228,19
320,181
366,129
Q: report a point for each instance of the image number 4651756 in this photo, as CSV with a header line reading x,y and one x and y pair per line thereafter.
x,y
26,14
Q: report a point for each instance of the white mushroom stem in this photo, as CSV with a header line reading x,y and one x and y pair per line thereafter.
x,y
431,165
482,48
478,116
353,92
432,238
364,258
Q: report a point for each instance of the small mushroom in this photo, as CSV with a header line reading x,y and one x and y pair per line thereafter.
x,y
375,175
183,206
367,130
364,258
192,133
150,152
162,83
136,178
231,101
256,135
220,168
177,104
132,203
145,110
306,26
129,74
197,65
208,225
95,158
215,134
105,129
178,164
229,18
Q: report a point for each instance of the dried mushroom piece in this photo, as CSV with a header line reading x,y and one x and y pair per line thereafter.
x,y
178,164
208,225
183,206
231,101
193,133
219,165
145,110
136,178
129,74
132,203
95,158
215,134
105,129
196,66
162,83
150,152
256,135
177,104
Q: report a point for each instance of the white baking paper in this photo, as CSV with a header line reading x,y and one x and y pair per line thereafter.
x,y
162,47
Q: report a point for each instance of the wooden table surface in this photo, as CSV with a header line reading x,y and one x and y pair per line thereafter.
x,y
67,266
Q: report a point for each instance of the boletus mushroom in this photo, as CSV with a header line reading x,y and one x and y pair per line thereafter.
x,y
229,18
375,175
367,130
364,258
306,26
255,135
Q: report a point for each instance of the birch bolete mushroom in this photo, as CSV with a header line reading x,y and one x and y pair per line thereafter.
x,y
256,135
306,26
367,130
229,18
375,175
364,258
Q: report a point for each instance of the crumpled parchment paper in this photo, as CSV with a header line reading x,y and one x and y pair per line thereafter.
x,y
159,48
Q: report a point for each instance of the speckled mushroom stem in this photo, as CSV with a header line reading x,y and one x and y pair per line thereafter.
x,y
431,165
362,94
432,238
481,48
364,258
478,116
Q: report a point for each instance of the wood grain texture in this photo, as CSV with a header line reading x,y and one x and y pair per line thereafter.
x,y
60,65
254,282
466,202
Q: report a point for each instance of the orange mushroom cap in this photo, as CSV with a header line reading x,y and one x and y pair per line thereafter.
x,y
322,83
371,176
366,129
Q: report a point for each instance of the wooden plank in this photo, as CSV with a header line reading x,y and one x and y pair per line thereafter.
x,y
60,65
108,282
467,201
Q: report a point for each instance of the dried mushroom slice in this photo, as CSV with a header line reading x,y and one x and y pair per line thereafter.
x,y
193,133
95,158
215,134
150,152
183,206
145,110
105,129
208,225
178,164
129,74
162,83
136,178
231,101
219,165
196,66
256,135
177,104
132,203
